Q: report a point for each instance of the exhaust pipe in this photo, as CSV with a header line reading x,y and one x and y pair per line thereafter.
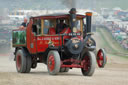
x,y
88,21
73,19
88,32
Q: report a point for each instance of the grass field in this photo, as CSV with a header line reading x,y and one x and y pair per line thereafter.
x,y
110,44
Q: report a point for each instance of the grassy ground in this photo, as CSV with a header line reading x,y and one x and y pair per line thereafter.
x,y
105,43
110,44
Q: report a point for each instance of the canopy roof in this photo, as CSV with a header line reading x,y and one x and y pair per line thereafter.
x,y
57,15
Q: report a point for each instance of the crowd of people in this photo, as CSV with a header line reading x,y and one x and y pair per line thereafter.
x,y
120,34
116,22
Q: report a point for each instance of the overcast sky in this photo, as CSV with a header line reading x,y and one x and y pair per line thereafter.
x,y
61,4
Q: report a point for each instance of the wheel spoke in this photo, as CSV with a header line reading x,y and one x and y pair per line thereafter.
x,y
101,58
19,62
51,62
87,63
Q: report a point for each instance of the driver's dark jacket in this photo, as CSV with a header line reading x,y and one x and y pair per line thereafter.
x,y
60,27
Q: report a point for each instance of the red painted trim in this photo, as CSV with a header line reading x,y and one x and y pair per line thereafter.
x,y
57,16
29,37
79,65
72,66
71,60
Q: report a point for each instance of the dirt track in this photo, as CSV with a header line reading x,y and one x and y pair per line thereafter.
x,y
115,73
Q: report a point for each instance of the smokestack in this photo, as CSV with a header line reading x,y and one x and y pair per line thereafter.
x,y
88,21
73,19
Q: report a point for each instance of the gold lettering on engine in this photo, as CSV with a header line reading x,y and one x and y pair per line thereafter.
x,y
75,40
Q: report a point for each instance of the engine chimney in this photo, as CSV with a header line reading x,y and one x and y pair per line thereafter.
x,y
73,19
88,21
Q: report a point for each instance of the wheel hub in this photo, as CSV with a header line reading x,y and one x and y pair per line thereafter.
x,y
51,62
101,58
18,62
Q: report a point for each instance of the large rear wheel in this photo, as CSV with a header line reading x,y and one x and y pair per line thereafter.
x,y
89,63
53,62
23,61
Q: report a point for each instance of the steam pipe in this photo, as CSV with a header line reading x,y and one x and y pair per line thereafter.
x,y
73,21
73,18
88,21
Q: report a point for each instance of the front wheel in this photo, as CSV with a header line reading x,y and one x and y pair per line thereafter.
x,y
53,62
89,63
101,58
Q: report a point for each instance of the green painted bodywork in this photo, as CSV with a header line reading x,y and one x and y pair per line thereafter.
x,y
19,37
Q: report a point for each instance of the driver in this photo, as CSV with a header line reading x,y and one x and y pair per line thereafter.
x,y
60,26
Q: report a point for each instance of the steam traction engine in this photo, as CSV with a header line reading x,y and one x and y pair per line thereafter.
x,y
72,47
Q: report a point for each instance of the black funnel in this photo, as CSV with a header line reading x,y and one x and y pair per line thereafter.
x,y
88,21
73,18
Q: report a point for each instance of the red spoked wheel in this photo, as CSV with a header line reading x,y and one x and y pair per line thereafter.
x,y
86,63
101,58
53,62
23,61
89,63
18,63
